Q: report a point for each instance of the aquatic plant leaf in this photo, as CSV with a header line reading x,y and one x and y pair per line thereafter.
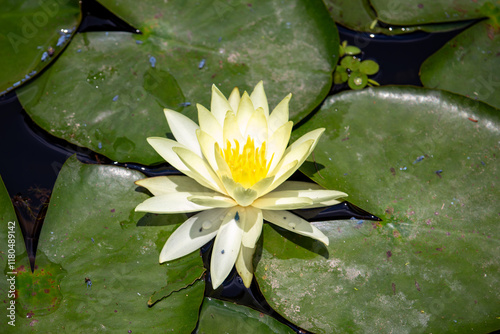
x,y
91,233
107,91
400,12
413,157
181,273
32,34
468,64
359,15
8,225
218,316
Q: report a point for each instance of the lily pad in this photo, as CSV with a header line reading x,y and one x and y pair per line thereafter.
x,y
9,227
33,34
359,15
217,316
413,157
402,12
106,266
107,91
465,65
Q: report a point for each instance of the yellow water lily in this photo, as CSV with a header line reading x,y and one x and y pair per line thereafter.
x,y
236,162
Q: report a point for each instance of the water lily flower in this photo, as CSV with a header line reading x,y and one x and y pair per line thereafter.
x,y
236,163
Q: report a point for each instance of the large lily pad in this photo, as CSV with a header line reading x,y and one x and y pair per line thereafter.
x,y
11,239
402,12
107,91
468,64
32,34
359,15
100,265
412,157
217,316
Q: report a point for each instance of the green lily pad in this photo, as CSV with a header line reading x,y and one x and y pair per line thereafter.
x,y
33,34
402,12
357,80
359,15
412,157
105,266
107,91
217,316
368,67
14,243
467,64
180,275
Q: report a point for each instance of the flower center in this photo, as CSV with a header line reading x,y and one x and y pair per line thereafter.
x,y
248,165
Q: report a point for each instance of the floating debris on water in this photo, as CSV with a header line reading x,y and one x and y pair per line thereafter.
x,y
202,63
115,98
152,61
420,158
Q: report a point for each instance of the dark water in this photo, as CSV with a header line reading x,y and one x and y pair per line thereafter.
x,y
32,158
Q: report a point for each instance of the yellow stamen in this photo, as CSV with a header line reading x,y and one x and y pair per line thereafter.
x,y
248,166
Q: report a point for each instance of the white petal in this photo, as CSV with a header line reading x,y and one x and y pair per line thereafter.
x,y
241,195
289,164
257,127
323,204
234,99
311,135
279,116
316,196
293,223
170,203
209,124
183,129
309,189
244,265
281,203
277,143
231,131
201,170
251,219
164,148
259,98
192,234
219,106
214,200
161,185
299,185
226,248
207,144
244,112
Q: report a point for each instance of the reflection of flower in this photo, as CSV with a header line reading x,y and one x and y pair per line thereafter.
x,y
236,162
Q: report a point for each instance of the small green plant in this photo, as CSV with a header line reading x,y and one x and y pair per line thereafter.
x,y
352,70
